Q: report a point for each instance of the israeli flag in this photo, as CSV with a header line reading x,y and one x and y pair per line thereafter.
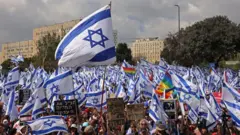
x,y
120,93
48,124
59,85
231,98
90,42
11,107
144,85
28,107
156,111
12,79
37,108
20,58
131,91
94,99
182,84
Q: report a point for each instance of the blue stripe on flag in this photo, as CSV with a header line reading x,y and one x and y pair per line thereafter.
x,y
50,130
57,78
95,94
37,111
153,114
104,55
79,29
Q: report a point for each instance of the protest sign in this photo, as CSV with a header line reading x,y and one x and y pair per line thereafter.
x,y
66,107
135,111
115,111
23,96
170,107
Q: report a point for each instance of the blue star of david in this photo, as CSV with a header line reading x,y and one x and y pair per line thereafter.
x,y
94,42
10,77
54,88
78,81
31,99
79,95
187,97
155,105
49,122
95,101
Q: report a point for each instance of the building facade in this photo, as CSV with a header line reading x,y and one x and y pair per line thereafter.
x,y
147,48
24,48
29,48
60,29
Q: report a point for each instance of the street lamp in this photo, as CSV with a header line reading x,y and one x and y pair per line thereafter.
x,y
178,19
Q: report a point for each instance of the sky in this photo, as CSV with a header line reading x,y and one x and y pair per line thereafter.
x,y
131,18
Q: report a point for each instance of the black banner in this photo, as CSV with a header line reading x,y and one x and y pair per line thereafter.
x,y
23,97
65,107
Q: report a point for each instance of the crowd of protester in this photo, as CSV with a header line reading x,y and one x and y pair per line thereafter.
x,y
91,122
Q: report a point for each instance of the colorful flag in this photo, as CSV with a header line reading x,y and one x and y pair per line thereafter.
x,y
165,86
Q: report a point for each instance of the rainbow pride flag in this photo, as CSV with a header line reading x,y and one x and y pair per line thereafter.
x,y
166,86
129,70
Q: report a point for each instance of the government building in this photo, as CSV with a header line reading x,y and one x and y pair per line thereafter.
x,y
29,48
147,48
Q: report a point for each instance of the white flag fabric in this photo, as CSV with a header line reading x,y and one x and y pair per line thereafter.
x,y
11,107
90,42
59,85
12,79
156,111
48,124
231,98
37,108
30,103
94,99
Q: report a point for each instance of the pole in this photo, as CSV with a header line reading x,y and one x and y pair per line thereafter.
x,y
178,20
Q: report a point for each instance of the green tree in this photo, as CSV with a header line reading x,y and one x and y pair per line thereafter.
x,y
46,51
211,40
6,66
123,53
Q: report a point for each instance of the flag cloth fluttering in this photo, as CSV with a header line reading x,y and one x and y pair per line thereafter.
x,y
90,42
165,86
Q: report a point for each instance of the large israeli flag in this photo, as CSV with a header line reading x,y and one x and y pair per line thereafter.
x,y
90,42
48,124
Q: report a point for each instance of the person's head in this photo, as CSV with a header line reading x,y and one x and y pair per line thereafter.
x,y
133,126
73,129
160,129
89,130
143,124
143,132
207,94
204,130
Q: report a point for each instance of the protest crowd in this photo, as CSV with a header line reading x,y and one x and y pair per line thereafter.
x,y
108,99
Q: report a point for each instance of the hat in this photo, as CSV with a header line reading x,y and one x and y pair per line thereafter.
x,y
73,126
5,122
85,124
160,127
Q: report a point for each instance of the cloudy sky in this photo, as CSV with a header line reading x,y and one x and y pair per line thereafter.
x,y
132,18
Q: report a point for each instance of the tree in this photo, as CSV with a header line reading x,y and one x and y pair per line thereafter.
x,y
46,51
6,66
211,40
123,53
